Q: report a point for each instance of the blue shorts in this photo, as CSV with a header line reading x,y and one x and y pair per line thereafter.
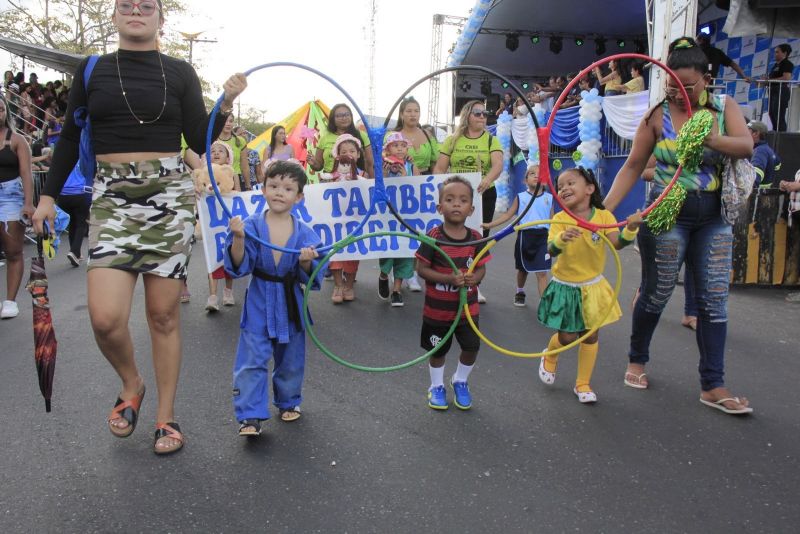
x,y
530,251
12,198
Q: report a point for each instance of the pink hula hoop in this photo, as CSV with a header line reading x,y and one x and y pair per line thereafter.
x,y
543,135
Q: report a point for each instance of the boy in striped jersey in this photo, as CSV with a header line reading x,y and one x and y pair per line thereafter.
x,y
441,292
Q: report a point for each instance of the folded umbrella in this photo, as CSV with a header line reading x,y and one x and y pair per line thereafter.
x,y
44,336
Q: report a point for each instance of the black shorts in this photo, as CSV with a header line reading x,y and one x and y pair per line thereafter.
x,y
530,251
431,336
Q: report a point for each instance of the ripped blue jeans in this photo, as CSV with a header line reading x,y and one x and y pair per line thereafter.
x,y
702,238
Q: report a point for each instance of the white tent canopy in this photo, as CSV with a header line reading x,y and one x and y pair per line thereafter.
x,y
54,59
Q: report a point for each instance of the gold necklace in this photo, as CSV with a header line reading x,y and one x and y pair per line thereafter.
x,y
124,96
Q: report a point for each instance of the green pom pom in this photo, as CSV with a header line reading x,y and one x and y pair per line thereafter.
x,y
557,165
577,156
689,145
662,218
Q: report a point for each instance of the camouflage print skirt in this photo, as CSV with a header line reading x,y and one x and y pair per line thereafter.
x,y
142,217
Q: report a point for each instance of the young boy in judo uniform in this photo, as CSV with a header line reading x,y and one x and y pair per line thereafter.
x,y
272,324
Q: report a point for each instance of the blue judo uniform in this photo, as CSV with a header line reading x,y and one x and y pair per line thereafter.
x,y
267,330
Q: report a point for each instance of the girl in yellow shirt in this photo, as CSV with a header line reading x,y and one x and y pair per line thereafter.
x,y
578,295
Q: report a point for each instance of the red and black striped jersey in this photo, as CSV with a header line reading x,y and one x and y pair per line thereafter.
x,y
441,300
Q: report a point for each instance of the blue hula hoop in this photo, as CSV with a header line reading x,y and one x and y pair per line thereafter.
x,y
376,140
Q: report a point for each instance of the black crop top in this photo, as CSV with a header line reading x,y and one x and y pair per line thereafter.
x,y
9,162
114,130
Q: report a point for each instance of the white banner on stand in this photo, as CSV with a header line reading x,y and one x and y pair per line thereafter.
x,y
335,210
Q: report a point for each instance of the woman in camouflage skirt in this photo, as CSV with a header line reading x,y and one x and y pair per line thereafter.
x,y
140,102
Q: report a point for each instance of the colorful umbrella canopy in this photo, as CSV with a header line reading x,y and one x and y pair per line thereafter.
x,y
44,336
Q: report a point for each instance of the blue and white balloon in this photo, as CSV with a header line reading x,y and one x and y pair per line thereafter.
x,y
590,115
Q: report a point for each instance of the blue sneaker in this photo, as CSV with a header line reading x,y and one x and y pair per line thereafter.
x,y
463,399
437,398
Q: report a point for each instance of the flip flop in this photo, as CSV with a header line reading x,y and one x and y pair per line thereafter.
x,y
127,410
634,381
719,405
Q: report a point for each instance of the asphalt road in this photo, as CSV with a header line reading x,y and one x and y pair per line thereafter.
x,y
370,456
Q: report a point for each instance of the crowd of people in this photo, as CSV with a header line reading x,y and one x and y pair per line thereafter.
x,y
142,209
609,81
37,112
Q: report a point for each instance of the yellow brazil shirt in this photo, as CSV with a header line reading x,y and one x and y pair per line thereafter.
x,y
635,85
465,153
325,143
585,257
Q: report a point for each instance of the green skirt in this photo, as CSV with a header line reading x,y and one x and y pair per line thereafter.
x,y
569,307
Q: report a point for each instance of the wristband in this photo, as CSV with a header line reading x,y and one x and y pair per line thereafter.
x,y
628,234
559,242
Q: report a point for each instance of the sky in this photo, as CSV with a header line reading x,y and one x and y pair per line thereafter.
x,y
332,37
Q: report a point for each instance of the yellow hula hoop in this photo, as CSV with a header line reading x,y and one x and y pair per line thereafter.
x,y
507,352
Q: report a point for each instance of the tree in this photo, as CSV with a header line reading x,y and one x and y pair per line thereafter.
x,y
79,26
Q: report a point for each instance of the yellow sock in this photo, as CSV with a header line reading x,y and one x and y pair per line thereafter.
x,y
587,355
551,360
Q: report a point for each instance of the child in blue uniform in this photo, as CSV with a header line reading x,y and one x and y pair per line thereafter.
x,y
530,250
271,324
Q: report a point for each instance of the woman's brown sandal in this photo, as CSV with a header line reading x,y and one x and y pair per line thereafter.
x,y
168,430
127,410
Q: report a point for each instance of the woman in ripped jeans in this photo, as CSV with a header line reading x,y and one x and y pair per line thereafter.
x,y
700,236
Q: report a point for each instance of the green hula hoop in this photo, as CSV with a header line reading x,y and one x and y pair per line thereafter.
x,y
347,242
516,354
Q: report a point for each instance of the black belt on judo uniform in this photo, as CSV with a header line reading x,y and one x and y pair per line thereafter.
x,y
289,280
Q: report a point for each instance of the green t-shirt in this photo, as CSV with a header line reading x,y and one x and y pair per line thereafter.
x,y
326,142
466,152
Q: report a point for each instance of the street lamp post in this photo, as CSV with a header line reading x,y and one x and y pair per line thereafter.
x,y
193,38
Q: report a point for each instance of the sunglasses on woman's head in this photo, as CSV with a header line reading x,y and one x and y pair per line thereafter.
x,y
479,113
145,7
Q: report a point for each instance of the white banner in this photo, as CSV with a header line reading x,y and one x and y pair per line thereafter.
x,y
625,112
335,210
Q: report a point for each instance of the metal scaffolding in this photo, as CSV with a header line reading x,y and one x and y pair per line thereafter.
x,y
437,61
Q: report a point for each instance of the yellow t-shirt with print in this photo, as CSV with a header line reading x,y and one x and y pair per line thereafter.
x,y
583,258
635,85
465,153
326,142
